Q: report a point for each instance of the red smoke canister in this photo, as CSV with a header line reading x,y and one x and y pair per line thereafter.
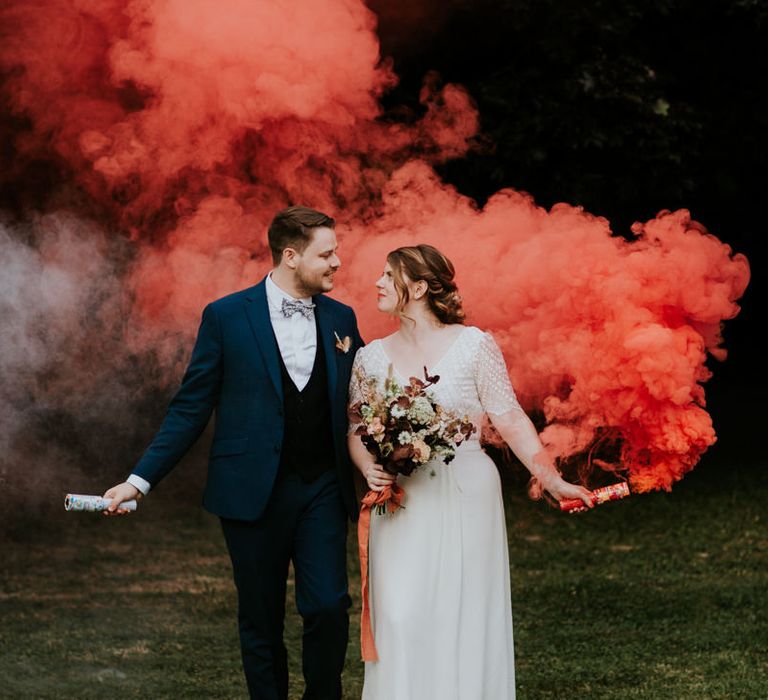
x,y
608,493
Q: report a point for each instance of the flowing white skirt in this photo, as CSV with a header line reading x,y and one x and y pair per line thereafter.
x,y
439,587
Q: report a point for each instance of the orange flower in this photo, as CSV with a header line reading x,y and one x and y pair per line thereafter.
x,y
422,450
376,429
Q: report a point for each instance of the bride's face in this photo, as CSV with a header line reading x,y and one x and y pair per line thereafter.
x,y
388,296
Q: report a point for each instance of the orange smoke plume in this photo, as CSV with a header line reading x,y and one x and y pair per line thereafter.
x,y
186,125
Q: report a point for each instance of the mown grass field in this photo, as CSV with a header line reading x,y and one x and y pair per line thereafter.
x,y
659,596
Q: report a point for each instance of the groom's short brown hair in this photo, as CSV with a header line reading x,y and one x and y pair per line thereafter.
x,y
292,228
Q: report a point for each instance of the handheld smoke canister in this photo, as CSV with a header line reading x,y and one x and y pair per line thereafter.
x,y
92,504
608,493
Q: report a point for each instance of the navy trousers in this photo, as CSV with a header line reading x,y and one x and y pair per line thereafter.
x,y
305,523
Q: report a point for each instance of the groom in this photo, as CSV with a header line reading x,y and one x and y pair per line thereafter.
x,y
273,363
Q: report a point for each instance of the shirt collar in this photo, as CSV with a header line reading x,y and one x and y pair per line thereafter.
x,y
275,295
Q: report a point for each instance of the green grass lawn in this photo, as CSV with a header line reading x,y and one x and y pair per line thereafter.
x,y
658,596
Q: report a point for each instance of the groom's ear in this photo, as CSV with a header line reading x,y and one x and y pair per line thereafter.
x,y
290,256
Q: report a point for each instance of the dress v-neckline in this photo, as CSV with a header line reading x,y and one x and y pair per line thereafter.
x,y
435,366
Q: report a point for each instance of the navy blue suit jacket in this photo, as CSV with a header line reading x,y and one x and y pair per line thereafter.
x,y
234,372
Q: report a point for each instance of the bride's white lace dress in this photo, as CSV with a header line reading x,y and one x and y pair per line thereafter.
x,y
439,568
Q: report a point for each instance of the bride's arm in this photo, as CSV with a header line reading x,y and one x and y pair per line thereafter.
x,y
517,430
498,400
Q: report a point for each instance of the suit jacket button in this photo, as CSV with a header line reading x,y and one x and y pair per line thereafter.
x,y
277,448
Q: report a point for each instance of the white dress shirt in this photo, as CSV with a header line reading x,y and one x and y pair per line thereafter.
x,y
297,339
296,336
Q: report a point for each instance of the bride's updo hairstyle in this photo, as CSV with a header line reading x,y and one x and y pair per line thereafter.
x,y
425,262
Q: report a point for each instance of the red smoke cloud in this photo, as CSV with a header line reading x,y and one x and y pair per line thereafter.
x,y
607,337
188,124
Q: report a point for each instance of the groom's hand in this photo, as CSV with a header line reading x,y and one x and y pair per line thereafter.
x,y
119,494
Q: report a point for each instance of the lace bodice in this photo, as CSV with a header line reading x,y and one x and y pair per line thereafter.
x,y
473,376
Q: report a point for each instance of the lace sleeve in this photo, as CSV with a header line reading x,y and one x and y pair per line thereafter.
x,y
494,388
355,386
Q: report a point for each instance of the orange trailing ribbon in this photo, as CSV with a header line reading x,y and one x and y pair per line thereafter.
x,y
390,498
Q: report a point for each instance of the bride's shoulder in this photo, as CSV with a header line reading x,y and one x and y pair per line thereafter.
x,y
365,350
480,332
474,333
479,341
374,343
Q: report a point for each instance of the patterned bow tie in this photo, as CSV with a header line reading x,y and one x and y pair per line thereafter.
x,y
291,307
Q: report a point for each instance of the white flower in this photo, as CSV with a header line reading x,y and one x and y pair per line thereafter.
x,y
404,438
397,411
421,410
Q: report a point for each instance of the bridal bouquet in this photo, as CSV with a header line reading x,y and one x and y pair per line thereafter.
x,y
405,427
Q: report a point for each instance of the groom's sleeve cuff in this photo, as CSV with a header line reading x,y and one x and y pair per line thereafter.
x,y
142,484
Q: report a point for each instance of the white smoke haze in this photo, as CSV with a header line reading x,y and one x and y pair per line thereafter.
x,y
73,398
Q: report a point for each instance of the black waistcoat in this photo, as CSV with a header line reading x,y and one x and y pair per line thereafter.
x,y
308,439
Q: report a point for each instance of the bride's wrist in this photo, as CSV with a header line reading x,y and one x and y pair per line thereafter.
x,y
365,467
549,479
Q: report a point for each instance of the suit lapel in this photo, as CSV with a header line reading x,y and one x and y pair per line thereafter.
x,y
325,319
257,310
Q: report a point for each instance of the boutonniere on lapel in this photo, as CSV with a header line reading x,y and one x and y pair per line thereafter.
x,y
343,345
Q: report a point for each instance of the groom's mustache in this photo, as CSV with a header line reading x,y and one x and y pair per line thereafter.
x,y
153,180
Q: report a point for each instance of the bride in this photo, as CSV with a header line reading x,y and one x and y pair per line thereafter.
x,y
439,583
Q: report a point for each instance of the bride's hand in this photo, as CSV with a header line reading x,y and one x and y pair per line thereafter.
x,y
563,490
376,477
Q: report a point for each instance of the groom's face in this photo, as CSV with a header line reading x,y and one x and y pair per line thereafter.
x,y
317,264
